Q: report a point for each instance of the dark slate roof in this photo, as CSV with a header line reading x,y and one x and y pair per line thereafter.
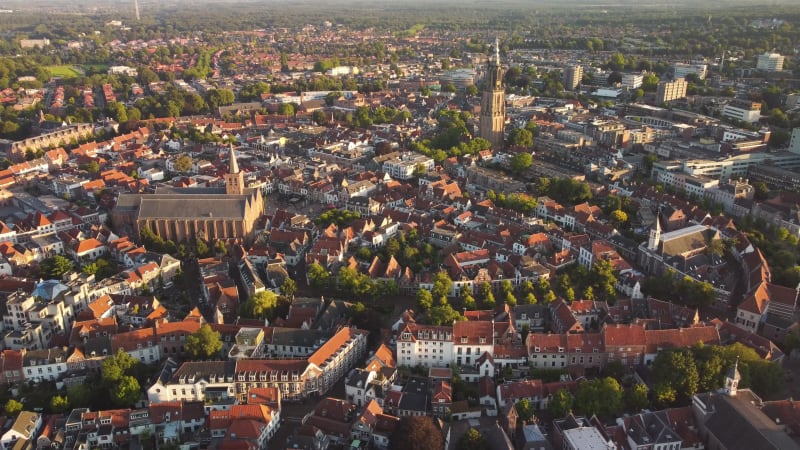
x,y
740,425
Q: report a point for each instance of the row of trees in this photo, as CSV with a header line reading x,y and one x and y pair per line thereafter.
x,y
407,248
677,375
683,290
604,397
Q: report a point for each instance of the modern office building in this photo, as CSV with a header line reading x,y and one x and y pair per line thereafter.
x,y
671,90
771,62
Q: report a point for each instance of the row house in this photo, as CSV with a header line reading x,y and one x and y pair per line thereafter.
x,y
334,417
281,342
300,378
250,424
194,381
768,310
170,420
295,378
372,425
657,341
625,343
172,336
24,429
471,340
667,314
559,351
629,344
425,345
463,344
44,365
141,344
535,391
338,355
11,367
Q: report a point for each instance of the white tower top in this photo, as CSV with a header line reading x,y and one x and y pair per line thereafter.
x,y
497,50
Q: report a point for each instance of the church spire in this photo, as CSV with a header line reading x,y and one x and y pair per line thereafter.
x,y
732,379
234,166
234,179
496,50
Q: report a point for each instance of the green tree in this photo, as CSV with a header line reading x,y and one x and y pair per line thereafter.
x,y
80,395
650,82
488,301
526,287
561,403
424,299
520,137
510,299
12,408
443,314
664,395
472,440
636,398
524,409
126,392
618,216
318,277
183,163
54,267
204,343
286,109
289,288
677,369
442,285
602,397
529,299
201,247
261,305
115,367
220,248
506,287
59,404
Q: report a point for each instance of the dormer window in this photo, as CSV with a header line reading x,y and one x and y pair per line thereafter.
x,y
523,316
463,339
482,340
560,349
406,336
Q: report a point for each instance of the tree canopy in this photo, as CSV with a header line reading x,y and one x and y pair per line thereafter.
x,y
261,305
416,433
203,343
54,267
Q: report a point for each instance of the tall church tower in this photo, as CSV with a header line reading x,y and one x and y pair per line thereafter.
x,y
732,379
493,102
234,179
655,236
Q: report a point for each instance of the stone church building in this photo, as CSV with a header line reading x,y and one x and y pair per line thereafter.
x,y
184,214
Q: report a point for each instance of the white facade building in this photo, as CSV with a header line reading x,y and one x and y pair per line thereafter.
x,y
424,345
771,62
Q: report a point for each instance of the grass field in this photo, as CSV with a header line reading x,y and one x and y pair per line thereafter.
x,y
95,68
65,71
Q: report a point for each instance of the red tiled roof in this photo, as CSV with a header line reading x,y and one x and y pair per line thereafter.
x,y
333,344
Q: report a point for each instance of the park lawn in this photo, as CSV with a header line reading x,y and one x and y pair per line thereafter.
x,y
63,71
95,68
